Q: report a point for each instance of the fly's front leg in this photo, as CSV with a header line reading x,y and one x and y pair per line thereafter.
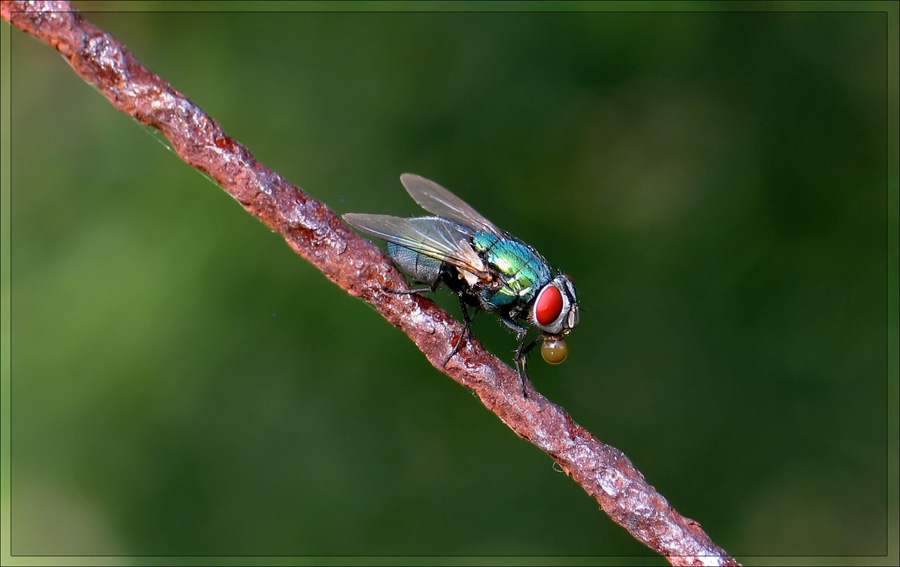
x,y
520,360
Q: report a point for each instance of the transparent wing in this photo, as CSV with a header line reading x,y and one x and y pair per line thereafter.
x,y
434,237
439,201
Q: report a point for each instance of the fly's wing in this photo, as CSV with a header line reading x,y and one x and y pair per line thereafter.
x,y
434,237
441,202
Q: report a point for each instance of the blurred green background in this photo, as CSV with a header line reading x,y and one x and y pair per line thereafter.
x,y
715,183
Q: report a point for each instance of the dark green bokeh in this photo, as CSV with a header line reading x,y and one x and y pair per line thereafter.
x,y
182,383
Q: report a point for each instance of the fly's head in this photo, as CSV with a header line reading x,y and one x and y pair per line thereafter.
x,y
555,312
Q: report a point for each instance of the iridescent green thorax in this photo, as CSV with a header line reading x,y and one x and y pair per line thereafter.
x,y
524,270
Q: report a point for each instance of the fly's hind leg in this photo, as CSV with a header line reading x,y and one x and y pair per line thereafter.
x,y
411,291
462,304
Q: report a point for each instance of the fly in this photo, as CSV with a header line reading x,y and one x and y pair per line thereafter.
x,y
488,268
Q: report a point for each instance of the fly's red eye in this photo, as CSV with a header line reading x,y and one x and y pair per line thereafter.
x,y
549,305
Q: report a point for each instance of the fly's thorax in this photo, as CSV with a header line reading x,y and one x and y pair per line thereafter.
x,y
555,309
519,270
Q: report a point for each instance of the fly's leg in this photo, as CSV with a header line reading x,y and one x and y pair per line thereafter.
x,y
414,291
520,360
465,333
462,305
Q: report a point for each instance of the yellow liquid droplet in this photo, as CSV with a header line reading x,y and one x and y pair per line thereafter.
x,y
554,350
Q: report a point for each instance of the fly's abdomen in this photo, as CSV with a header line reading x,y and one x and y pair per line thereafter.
x,y
521,270
421,267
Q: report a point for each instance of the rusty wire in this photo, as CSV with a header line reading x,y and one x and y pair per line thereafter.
x,y
357,266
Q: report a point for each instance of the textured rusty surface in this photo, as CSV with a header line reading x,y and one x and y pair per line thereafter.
x,y
359,267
